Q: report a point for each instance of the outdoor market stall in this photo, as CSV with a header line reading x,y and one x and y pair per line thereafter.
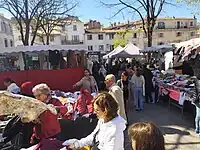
x,y
188,51
25,110
161,53
109,55
64,65
129,51
179,88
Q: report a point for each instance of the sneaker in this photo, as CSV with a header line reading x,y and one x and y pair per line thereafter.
x,y
141,110
137,110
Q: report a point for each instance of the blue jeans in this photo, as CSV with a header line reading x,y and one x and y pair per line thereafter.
x,y
197,118
138,96
197,123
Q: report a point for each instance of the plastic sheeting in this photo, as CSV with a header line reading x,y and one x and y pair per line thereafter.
x,y
43,48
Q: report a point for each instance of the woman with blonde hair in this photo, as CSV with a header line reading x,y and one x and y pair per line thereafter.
x,y
109,132
146,136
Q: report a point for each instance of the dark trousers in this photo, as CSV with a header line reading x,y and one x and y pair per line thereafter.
x,y
156,93
148,96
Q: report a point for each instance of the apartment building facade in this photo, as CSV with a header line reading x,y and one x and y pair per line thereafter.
x,y
167,30
99,40
70,33
6,32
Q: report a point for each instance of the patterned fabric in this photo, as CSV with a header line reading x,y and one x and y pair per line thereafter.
x,y
29,109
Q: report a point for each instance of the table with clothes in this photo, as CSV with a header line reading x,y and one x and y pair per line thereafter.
x,y
78,103
80,122
179,88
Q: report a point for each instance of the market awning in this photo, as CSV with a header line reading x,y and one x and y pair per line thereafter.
x,y
191,42
158,48
129,50
116,50
43,48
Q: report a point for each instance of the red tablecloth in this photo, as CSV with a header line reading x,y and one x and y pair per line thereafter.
x,y
174,95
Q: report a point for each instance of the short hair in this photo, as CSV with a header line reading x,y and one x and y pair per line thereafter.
x,y
125,73
106,102
138,72
147,136
111,77
87,70
43,88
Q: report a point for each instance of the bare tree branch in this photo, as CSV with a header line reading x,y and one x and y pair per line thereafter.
x,y
151,8
29,13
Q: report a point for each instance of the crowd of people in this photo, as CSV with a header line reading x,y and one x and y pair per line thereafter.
x,y
110,107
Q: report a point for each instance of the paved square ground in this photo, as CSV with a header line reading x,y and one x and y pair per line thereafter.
x,y
179,133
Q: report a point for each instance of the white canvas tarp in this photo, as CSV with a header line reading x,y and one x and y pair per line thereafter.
x,y
42,48
116,50
129,50
192,42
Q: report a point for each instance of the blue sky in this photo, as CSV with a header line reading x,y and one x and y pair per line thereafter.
x,y
92,9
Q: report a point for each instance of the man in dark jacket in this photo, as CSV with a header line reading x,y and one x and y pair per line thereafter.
x,y
186,69
148,76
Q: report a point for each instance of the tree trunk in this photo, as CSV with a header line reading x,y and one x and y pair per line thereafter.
x,y
27,23
26,39
48,39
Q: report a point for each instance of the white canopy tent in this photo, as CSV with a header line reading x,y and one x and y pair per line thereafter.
x,y
116,50
42,48
185,48
192,42
129,50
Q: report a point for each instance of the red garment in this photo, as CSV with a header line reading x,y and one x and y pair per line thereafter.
x,y
49,126
26,88
84,103
56,102
1,118
49,144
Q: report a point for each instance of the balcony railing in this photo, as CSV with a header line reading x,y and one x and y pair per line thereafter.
x,y
181,27
71,42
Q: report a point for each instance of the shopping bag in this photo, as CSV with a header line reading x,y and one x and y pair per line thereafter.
x,y
85,148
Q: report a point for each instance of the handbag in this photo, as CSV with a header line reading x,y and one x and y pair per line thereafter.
x,y
95,143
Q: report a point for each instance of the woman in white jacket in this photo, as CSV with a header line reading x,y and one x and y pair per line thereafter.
x,y
109,132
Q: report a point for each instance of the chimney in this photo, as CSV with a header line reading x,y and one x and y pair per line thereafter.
x,y
128,22
118,23
115,24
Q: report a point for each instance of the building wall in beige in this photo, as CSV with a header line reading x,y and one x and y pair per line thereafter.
x,y
167,30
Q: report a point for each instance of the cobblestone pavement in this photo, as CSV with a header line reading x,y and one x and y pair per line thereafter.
x,y
179,133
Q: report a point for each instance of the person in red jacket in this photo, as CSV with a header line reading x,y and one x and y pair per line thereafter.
x,y
43,93
46,129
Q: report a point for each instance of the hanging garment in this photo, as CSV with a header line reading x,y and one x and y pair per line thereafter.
x,y
54,58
